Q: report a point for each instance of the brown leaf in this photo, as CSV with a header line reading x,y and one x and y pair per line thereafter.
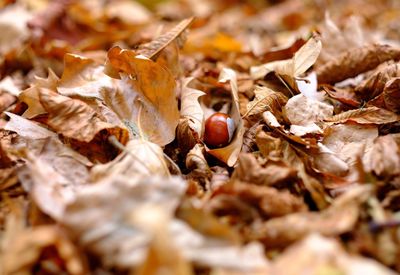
x,y
83,77
343,95
337,219
268,173
353,62
152,49
376,82
265,100
390,97
75,119
22,248
150,88
368,115
267,200
311,184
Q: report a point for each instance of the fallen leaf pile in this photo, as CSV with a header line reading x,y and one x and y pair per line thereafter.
x,y
104,168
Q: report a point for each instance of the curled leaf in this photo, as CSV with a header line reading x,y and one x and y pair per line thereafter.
x,y
368,115
389,99
356,61
229,154
376,82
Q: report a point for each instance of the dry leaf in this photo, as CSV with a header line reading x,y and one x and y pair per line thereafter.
x,y
195,159
123,10
83,77
338,40
376,82
311,184
191,108
291,69
53,176
101,216
265,100
268,173
389,98
339,218
31,98
348,142
368,115
24,249
327,161
230,153
304,112
269,201
301,110
384,157
26,128
151,88
75,119
139,158
191,124
162,255
14,32
356,61
320,255
152,49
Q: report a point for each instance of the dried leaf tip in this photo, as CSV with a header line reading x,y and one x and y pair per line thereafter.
x,y
153,48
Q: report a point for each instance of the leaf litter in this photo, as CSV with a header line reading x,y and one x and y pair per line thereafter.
x,y
103,164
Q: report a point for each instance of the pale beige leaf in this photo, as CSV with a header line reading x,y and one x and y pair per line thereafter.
x,y
27,128
195,159
14,32
191,108
327,161
384,157
104,217
301,110
129,12
350,141
139,158
306,56
317,254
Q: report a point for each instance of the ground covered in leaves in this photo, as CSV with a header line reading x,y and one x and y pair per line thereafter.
x,y
104,168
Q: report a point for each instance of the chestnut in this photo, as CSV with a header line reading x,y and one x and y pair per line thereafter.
x,y
219,129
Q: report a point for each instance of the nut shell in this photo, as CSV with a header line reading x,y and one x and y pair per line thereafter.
x,y
219,129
